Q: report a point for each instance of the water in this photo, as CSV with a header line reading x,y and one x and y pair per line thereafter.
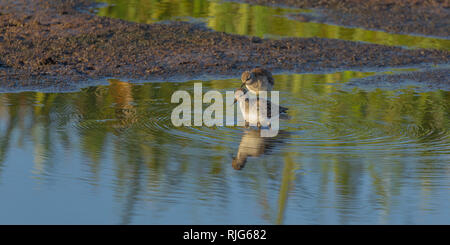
x,y
256,20
110,155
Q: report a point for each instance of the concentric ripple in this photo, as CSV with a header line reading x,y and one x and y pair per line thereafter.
x,y
334,142
321,116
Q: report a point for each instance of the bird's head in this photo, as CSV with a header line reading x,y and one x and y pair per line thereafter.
x,y
247,77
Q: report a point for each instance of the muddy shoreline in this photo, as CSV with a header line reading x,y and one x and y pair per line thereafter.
x,y
427,79
422,17
57,44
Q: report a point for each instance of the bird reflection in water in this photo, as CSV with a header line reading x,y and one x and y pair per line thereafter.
x,y
253,145
125,111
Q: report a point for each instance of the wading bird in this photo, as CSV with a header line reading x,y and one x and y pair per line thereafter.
x,y
253,110
258,79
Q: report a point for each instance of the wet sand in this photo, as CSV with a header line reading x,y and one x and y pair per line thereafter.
x,y
424,80
56,44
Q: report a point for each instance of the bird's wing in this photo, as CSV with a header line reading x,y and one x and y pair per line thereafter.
x,y
281,109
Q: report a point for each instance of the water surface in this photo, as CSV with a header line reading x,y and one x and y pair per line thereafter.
x,y
255,20
110,155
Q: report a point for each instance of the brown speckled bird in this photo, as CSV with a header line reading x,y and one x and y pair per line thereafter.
x,y
258,79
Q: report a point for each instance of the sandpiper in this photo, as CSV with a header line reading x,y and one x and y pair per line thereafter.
x,y
255,114
258,79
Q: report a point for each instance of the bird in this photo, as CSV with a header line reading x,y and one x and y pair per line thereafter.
x,y
258,79
250,109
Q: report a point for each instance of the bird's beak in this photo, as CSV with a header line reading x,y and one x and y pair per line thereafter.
x,y
234,101
242,85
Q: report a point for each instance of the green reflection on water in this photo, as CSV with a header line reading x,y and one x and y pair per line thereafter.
x,y
255,20
393,132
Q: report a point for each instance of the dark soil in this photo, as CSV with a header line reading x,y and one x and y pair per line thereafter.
x,y
55,43
426,17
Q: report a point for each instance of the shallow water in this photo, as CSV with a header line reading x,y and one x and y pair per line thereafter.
x,y
255,20
110,155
